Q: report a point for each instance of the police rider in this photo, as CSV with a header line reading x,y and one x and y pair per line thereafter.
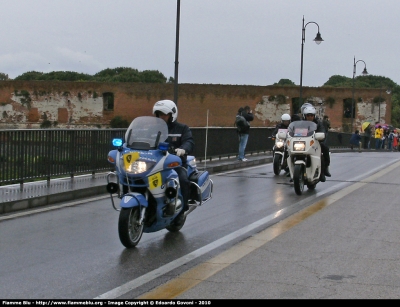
x,y
180,139
284,124
309,114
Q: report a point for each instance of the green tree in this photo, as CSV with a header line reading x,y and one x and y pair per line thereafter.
x,y
54,75
285,82
152,76
118,74
338,81
30,75
3,76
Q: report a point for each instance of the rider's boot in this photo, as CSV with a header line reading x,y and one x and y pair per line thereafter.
x,y
327,173
322,177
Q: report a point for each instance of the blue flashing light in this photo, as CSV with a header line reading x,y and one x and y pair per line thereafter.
x,y
117,142
163,146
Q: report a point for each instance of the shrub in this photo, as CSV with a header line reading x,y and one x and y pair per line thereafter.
x,y
119,122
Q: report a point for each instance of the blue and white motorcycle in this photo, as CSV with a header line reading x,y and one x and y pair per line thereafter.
x,y
147,184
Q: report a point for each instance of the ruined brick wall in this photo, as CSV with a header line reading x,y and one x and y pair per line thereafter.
x,y
78,104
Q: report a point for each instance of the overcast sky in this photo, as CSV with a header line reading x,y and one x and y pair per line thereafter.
x,y
252,42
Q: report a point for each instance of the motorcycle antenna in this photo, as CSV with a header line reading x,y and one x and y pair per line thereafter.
x,y
205,152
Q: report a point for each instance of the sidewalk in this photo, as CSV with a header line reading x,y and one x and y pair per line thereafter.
x,y
38,193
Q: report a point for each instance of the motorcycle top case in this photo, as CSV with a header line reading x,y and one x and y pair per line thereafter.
x,y
202,179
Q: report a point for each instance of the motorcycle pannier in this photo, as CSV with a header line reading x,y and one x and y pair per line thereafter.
x,y
202,179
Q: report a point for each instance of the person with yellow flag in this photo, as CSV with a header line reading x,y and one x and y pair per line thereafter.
x,y
366,127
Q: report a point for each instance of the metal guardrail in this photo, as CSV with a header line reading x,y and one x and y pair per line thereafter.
x,y
28,155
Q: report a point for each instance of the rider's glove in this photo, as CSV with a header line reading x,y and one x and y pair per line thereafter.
x,y
180,152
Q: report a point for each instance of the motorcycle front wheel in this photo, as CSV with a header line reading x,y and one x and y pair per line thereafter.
x,y
311,186
298,178
129,230
277,164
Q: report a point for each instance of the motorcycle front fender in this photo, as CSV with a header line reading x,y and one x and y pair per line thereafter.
x,y
300,162
131,200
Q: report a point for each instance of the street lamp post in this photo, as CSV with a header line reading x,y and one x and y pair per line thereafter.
x,y
379,104
318,39
178,9
365,72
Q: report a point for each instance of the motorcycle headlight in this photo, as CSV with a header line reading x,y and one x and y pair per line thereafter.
x,y
138,167
279,143
299,146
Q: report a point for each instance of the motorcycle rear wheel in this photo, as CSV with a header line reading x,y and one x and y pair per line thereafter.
x,y
129,230
277,164
298,179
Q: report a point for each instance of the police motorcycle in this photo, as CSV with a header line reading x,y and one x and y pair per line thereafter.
x,y
147,184
279,152
304,150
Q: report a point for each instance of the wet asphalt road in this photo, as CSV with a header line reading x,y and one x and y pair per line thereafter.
x,y
74,252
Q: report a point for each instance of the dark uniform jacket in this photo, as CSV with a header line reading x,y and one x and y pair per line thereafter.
x,y
320,126
180,136
249,117
277,127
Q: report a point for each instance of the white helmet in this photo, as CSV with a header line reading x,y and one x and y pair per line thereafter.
x,y
304,105
285,117
308,110
166,107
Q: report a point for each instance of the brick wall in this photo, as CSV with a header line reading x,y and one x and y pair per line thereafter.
x,y
77,104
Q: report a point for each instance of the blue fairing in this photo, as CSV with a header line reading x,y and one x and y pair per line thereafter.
x,y
131,200
113,155
171,159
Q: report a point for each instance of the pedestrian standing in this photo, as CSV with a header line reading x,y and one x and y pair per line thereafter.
x,y
367,137
247,113
378,137
355,140
385,138
395,141
390,139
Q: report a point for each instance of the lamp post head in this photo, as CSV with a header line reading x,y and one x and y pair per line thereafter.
x,y
318,39
365,72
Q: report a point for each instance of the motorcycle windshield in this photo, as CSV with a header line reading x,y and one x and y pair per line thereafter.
x,y
146,132
302,128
